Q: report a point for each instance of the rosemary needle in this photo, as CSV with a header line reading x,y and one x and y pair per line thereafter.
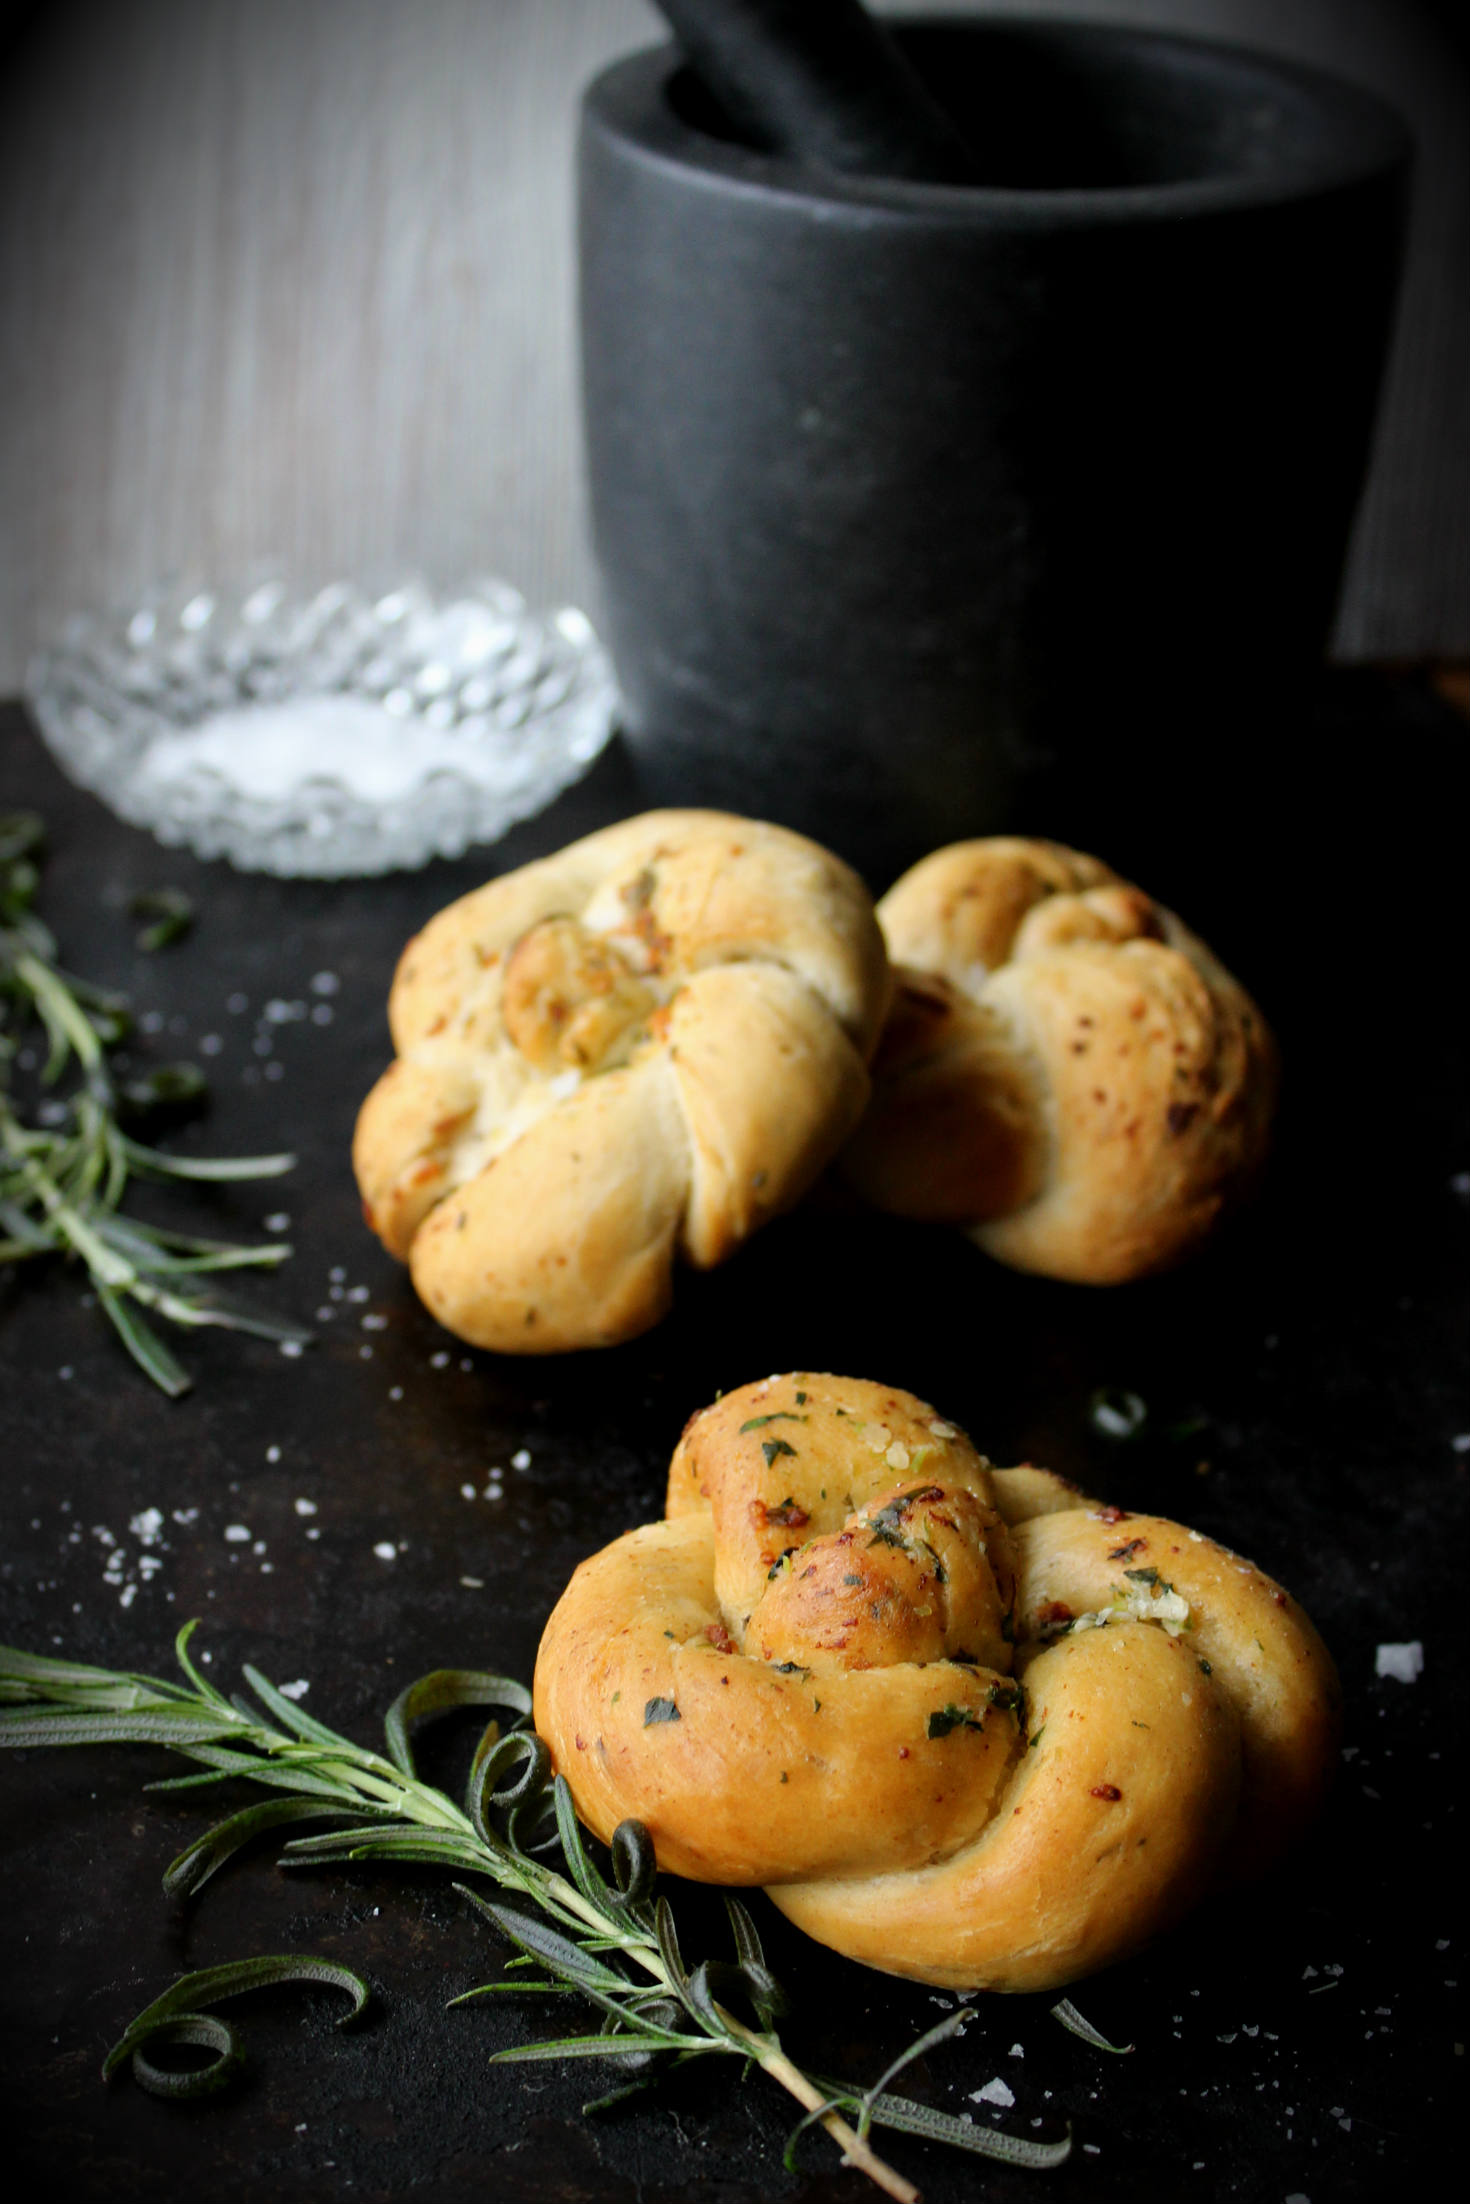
x,y
613,1942
62,1184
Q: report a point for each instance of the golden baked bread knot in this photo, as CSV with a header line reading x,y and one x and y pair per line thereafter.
x,y
964,1723
647,1044
1067,1071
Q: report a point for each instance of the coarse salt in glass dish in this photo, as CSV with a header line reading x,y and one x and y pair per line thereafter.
x,y
328,733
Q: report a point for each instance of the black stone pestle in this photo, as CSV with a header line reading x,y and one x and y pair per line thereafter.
x,y
820,81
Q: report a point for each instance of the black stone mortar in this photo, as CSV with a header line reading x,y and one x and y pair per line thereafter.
x,y
924,509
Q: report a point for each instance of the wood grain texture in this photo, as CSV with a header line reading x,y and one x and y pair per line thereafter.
x,y
292,282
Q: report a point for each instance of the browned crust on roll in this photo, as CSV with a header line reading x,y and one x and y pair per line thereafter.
x,y
1068,1073
637,1050
964,1723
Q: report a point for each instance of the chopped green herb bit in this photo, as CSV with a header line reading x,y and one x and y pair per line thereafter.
x,y
1036,1740
849,1579
171,913
779,1564
1007,1697
789,1668
660,1710
801,1400
1144,1576
773,1449
945,1719
1205,1668
777,1415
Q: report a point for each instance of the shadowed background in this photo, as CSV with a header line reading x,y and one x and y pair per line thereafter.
x,y
291,282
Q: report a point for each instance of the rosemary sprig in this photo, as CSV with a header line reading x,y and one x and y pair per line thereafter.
x,y
61,1186
613,1943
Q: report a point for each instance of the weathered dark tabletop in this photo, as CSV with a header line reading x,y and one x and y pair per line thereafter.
x,y
1295,2043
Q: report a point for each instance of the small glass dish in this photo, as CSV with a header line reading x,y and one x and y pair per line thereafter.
x,y
327,733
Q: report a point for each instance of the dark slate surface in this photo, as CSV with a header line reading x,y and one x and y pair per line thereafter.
x,y
1296,2043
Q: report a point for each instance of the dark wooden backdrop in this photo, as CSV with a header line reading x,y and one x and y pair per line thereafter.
x,y
292,280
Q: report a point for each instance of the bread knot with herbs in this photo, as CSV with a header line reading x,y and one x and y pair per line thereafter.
x,y
964,1723
641,1047
1067,1072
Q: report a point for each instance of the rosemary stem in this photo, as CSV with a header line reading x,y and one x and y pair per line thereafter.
x,y
767,2053
110,1268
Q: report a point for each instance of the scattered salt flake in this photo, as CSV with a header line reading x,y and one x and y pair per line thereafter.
x,y
386,1550
395,1392
357,1293
521,1459
279,1220
1093,2150
236,1534
1405,1663
127,1595
324,983
210,1044
146,1525
473,1583
995,2092
467,1492
313,1533
1442,1943
439,1361
305,1507
943,1430
1017,2051
336,1274
1461,1442
291,1348
1309,1974
374,1323
298,1690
